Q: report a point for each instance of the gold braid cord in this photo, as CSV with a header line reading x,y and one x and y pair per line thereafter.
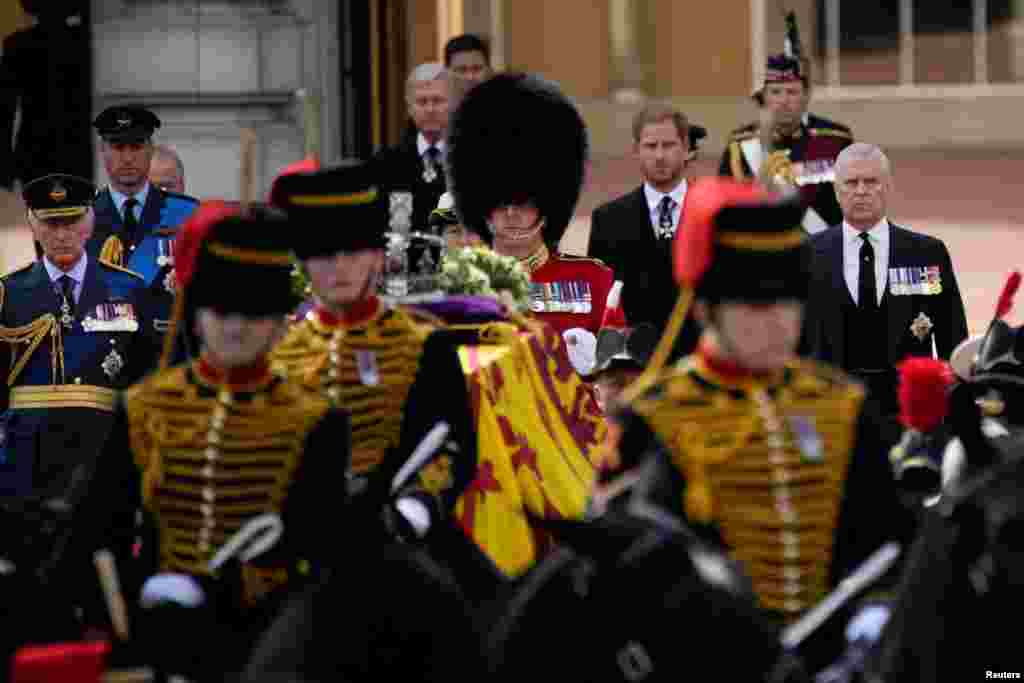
x,y
778,167
112,251
327,362
211,463
33,335
774,493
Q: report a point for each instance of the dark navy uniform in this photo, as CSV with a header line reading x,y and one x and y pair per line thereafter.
x,y
59,393
149,248
64,359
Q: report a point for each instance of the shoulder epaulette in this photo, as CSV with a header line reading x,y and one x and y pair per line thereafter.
x,y
578,258
177,195
744,132
20,268
114,266
813,377
831,132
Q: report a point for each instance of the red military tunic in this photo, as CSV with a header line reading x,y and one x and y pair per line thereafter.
x,y
570,291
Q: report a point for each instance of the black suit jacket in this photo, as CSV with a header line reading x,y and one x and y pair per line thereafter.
x,y
48,69
400,169
825,326
622,236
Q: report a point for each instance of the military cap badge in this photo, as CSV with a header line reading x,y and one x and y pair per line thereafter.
x,y
58,193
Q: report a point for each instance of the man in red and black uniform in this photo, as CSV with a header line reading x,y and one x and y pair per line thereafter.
x,y
527,207
789,145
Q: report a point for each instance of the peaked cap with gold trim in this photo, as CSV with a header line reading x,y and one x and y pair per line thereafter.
x,y
339,209
59,195
741,242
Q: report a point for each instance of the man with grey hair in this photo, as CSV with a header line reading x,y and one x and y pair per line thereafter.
x,y
879,293
166,170
416,164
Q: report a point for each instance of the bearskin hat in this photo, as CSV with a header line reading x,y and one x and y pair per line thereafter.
x,y
517,138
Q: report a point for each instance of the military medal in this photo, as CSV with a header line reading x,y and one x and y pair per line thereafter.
x,y
807,437
429,173
170,281
536,297
911,280
586,298
112,317
165,252
112,364
65,314
369,375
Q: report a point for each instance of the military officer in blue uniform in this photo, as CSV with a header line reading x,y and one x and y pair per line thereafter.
x,y
73,330
136,222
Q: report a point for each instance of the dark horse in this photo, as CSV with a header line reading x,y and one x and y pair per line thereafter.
x,y
964,581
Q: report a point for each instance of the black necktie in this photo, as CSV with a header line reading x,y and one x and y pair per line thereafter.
x,y
867,294
67,303
131,226
665,230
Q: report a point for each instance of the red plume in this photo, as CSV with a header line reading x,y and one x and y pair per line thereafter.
x,y
693,248
192,235
1009,291
923,391
308,165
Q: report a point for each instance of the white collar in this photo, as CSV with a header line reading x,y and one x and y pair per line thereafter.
x,y
120,198
77,273
422,145
654,196
877,234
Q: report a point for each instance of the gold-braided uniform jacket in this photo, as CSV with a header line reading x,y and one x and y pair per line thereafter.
x,y
203,459
364,367
788,472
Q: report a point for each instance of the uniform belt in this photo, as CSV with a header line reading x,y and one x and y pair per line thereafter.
x,y
63,396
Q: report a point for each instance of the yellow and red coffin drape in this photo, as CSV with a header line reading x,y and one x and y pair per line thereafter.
x,y
538,428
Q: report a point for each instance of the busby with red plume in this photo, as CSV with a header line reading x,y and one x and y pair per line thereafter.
x,y
741,242
516,138
925,386
309,164
231,261
737,242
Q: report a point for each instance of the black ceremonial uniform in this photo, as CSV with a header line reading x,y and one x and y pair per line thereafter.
x,y
921,306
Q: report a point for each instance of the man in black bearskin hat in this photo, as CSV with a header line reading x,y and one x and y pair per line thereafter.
x,y
525,208
207,447
772,456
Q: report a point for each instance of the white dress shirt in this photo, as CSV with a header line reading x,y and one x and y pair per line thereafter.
x,y
422,146
878,236
653,196
77,273
140,198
